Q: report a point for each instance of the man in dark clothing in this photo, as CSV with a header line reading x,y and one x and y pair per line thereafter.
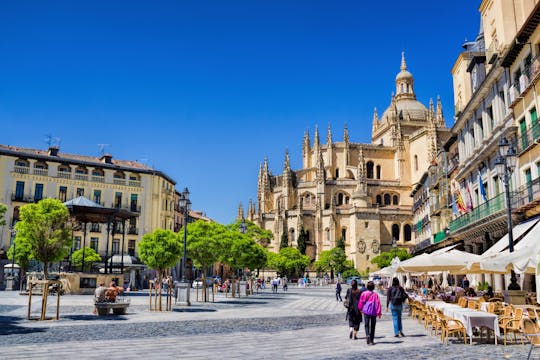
x,y
465,282
338,291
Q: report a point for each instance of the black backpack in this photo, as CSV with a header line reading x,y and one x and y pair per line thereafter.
x,y
397,295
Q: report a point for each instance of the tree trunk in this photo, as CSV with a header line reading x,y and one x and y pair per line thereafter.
x,y
160,283
204,286
46,270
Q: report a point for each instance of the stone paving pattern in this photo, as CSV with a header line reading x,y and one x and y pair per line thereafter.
x,y
299,324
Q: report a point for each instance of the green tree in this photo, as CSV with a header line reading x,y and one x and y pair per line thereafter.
x,y
302,241
288,262
3,209
90,256
341,243
160,250
384,259
260,235
44,226
204,245
284,241
23,255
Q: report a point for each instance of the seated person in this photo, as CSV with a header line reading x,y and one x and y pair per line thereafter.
x,y
99,294
470,292
112,292
489,293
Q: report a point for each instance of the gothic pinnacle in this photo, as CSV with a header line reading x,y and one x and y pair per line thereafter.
x,y
329,135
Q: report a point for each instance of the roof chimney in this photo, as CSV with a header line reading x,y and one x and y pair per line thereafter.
x,y
106,158
53,150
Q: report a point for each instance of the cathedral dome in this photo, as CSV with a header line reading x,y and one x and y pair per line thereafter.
x,y
408,107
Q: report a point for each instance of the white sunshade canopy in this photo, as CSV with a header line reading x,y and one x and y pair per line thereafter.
x,y
452,260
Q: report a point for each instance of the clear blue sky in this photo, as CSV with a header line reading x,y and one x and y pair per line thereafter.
x,y
204,90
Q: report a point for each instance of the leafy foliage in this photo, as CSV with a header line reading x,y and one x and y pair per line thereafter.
x,y
90,256
284,241
255,232
333,260
44,227
302,241
3,209
288,262
23,252
384,259
350,272
341,243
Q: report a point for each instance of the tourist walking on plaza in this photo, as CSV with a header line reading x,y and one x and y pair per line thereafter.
x,y
395,297
338,291
353,313
370,305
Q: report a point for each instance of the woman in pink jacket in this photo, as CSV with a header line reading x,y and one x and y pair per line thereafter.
x,y
370,305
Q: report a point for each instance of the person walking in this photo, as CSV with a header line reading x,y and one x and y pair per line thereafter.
x,y
395,297
353,313
370,305
338,291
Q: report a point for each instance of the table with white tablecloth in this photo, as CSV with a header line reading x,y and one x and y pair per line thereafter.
x,y
469,317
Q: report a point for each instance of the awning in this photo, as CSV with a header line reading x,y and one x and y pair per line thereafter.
x,y
517,232
451,260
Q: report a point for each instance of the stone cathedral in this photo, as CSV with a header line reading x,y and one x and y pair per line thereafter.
x,y
358,192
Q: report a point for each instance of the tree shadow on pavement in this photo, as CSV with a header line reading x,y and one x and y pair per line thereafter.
x,y
8,326
94,317
193,310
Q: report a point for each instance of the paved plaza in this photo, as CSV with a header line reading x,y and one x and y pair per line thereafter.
x,y
299,324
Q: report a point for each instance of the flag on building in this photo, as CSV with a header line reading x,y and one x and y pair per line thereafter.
x,y
470,204
454,205
481,187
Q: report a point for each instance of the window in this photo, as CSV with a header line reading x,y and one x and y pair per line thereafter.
x,y
131,247
489,112
369,170
94,243
133,203
496,185
378,200
118,200
19,190
115,246
528,182
80,192
523,134
62,193
387,199
327,235
378,171
407,232
337,173
395,200
395,232
416,162
97,196
534,124
76,243
38,194
340,199
344,234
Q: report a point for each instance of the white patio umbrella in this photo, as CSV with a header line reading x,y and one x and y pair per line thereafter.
x,y
444,283
452,260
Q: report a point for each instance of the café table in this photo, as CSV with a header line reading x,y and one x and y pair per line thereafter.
x,y
469,317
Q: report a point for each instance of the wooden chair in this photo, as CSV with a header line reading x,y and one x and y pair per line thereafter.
x,y
532,331
452,327
471,304
512,325
491,307
462,302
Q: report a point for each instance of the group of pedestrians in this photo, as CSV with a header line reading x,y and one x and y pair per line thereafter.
x,y
364,304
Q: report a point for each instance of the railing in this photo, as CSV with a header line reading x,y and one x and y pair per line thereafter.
x,y
134,183
41,172
528,138
488,208
133,230
21,169
526,194
98,178
119,181
95,228
64,175
22,198
440,236
83,177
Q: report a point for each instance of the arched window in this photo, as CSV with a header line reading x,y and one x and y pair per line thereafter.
x,y
340,199
379,200
41,165
337,173
395,232
307,236
327,230
64,168
378,171
369,170
291,235
395,200
347,199
98,172
387,199
416,162
407,232
344,234
119,175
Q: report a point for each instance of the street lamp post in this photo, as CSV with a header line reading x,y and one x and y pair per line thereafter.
x,y
10,284
243,230
184,285
505,165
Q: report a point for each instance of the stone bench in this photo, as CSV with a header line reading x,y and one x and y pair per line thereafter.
x,y
118,307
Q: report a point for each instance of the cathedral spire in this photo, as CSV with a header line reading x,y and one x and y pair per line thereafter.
x,y
307,143
321,175
240,214
403,63
251,210
439,117
329,135
345,134
431,111
317,141
375,118
286,162
404,82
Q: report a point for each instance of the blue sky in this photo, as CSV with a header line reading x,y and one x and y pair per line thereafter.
x,y
204,90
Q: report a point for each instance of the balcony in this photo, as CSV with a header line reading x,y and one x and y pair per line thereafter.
x,y
83,177
440,236
117,181
64,175
527,196
21,169
490,207
96,178
41,172
527,139
133,230
95,228
22,198
134,183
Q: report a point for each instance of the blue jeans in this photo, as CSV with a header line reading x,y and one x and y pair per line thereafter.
x,y
396,318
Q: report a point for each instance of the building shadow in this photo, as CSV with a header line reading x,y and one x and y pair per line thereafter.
x,y
9,326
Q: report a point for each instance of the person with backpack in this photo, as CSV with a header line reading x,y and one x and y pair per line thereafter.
x,y
395,297
353,313
370,305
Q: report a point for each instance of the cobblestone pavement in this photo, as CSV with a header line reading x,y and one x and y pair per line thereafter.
x,y
301,324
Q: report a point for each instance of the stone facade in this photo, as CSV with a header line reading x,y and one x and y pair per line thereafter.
x,y
356,191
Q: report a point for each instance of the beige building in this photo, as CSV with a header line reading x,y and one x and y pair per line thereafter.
x,y
28,175
356,191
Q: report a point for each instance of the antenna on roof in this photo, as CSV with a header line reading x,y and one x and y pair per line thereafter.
x,y
102,148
